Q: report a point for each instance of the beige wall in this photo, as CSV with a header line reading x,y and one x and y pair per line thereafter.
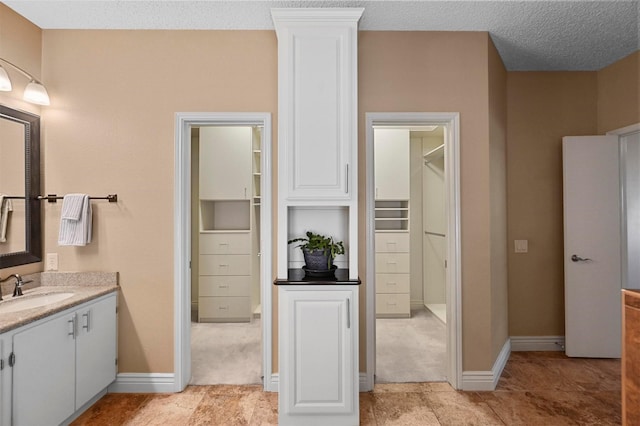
x,y
542,108
619,94
110,129
20,44
498,199
441,72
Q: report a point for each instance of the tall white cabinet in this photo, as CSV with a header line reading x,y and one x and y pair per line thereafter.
x,y
392,198
228,208
317,191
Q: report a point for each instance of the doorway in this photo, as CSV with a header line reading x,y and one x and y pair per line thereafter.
x,y
435,237
225,255
225,218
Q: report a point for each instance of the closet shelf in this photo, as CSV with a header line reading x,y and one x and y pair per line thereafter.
x,y
434,154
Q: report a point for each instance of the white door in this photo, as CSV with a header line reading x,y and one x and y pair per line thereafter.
x,y
44,373
318,348
95,349
391,165
225,163
592,262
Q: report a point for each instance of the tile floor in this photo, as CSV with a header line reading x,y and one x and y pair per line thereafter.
x,y
536,388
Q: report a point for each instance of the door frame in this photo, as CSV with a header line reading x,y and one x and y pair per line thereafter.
x,y
182,236
451,122
622,152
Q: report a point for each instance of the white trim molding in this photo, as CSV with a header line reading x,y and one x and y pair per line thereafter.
x,y
182,235
364,383
537,343
487,380
451,122
143,383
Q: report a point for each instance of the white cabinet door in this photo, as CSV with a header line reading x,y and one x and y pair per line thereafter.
x,y
317,104
225,163
44,373
391,164
319,379
95,349
5,385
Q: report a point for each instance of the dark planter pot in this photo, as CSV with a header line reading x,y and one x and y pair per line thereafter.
x,y
317,260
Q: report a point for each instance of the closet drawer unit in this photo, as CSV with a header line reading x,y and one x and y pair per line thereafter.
x,y
231,243
393,305
219,264
392,283
212,285
392,263
224,309
392,242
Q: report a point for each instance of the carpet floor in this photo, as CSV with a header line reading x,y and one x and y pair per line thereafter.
x,y
226,353
411,349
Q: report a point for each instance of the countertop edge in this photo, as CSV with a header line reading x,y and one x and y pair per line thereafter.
x,y
82,294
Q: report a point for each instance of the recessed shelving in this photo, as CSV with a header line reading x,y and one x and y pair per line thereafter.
x,y
392,216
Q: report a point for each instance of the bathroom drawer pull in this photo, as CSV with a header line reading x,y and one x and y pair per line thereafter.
x,y
391,283
72,333
223,286
224,265
223,308
88,319
391,304
391,262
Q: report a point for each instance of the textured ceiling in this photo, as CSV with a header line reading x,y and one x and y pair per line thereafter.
x,y
530,35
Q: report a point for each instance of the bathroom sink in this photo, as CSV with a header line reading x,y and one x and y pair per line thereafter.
x,y
29,302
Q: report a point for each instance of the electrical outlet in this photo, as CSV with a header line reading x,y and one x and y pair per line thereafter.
x,y
521,246
52,261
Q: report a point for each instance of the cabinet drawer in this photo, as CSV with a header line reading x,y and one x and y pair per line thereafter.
x,y
397,305
392,283
392,263
392,242
224,309
219,264
212,285
225,243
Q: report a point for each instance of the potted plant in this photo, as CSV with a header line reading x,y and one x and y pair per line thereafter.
x,y
319,251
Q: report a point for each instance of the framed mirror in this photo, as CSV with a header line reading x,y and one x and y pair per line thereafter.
x,y
20,210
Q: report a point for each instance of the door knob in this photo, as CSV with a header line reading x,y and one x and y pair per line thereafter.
x,y
576,258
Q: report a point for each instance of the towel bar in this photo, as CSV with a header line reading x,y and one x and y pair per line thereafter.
x,y
53,198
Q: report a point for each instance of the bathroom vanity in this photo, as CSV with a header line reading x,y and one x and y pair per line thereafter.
x,y
56,359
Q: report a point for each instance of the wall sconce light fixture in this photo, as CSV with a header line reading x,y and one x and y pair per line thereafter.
x,y
35,91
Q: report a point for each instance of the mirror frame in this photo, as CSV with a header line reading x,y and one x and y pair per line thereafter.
x,y
33,222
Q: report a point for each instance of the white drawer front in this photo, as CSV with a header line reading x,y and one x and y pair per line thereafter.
x,y
393,305
212,285
218,264
392,283
224,308
225,243
392,263
392,242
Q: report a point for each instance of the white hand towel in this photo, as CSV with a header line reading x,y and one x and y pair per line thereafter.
x,y
75,229
5,208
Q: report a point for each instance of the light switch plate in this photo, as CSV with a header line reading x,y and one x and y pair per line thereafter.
x,y
52,261
521,246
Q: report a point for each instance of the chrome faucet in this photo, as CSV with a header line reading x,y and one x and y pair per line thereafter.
x,y
17,290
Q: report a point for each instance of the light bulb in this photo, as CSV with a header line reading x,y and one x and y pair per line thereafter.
x,y
36,93
5,82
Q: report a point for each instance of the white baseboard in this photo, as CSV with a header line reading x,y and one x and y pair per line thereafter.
x,y
143,383
487,380
275,381
537,343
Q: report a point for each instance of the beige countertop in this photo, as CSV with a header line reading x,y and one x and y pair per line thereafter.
x,y
84,289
